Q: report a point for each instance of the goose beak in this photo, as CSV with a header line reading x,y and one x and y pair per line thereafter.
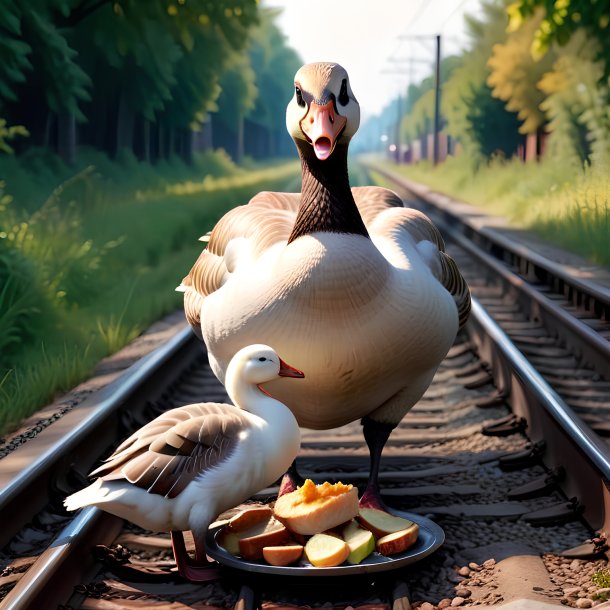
x,y
289,371
322,126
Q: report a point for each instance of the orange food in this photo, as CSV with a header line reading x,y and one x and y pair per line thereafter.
x,y
312,509
282,555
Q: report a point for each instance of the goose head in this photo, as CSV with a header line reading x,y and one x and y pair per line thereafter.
x,y
323,111
258,364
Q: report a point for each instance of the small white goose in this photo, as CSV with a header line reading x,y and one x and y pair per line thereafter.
x,y
347,284
183,469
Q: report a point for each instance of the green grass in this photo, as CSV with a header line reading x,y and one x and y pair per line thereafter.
x,y
566,205
98,259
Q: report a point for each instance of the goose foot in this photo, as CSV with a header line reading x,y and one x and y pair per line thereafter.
x,y
195,570
291,480
371,498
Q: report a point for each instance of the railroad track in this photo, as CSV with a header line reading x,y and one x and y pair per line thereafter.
x,y
491,453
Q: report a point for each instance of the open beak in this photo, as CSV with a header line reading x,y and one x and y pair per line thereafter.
x,y
289,371
322,126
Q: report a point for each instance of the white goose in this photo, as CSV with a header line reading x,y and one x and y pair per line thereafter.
x,y
347,283
183,469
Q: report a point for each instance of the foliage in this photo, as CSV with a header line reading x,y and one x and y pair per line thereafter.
x,y
136,74
469,113
9,133
561,19
576,103
514,76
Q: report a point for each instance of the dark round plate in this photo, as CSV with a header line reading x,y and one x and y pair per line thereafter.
x,y
431,537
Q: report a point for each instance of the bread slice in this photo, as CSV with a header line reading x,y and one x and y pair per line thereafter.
x,y
312,509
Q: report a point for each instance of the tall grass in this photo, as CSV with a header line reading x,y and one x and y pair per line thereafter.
x,y
97,259
564,204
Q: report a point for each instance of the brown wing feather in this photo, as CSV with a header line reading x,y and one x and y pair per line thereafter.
x,y
169,452
267,219
454,282
371,200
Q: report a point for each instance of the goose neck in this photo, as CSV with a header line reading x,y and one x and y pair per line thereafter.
x,y
327,203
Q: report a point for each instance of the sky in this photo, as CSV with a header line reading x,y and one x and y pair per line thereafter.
x,y
373,39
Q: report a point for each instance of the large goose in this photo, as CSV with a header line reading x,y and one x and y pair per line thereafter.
x,y
183,469
353,287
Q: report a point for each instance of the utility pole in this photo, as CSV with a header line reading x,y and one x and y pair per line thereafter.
x,y
437,90
437,100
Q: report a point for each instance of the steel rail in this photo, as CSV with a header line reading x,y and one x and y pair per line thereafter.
x,y
68,561
594,348
592,446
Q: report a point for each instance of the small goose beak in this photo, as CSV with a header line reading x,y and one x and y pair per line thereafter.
x,y
289,371
322,126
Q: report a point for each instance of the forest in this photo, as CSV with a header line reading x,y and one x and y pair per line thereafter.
x,y
154,79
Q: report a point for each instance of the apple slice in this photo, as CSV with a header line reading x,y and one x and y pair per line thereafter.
x,y
228,540
381,523
266,533
282,555
361,542
324,551
249,517
397,542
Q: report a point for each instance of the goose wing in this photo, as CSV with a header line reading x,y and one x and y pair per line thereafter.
x,y
168,453
374,203
244,232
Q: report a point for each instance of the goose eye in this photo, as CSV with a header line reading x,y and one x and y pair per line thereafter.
x,y
262,359
300,100
343,96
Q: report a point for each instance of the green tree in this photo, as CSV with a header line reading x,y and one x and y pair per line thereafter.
x,y
576,103
515,75
561,19
465,101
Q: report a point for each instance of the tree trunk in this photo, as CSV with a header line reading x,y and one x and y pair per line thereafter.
x,y
207,135
146,156
239,153
124,126
66,137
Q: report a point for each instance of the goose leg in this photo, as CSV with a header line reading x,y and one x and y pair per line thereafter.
x,y
291,480
199,570
376,435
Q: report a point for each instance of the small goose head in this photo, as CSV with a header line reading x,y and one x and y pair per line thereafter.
x,y
257,364
323,110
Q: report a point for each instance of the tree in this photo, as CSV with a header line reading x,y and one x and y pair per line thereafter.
x,y
465,105
576,103
561,19
515,75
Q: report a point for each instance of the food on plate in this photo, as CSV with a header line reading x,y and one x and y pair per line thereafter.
x,y
283,555
249,542
397,542
324,551
312,509
381,523
314,520
249,517
361,542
